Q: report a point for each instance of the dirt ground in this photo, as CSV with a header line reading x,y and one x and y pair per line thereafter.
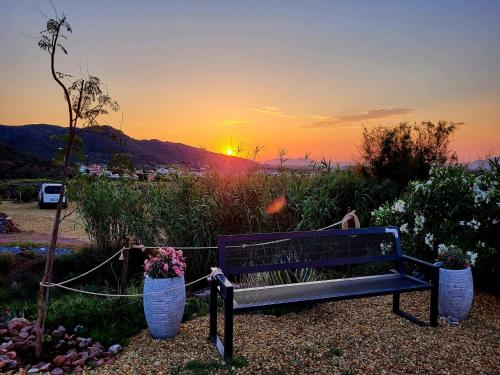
x,y
36,224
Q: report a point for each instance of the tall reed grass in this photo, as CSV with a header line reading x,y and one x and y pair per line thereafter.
x,y
188,210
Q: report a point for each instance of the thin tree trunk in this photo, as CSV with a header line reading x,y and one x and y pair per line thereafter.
x,y
43,292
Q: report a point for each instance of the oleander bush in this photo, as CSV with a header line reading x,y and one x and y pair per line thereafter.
x,y
453,211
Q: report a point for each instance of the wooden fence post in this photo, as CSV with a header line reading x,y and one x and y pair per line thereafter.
x,y
126,254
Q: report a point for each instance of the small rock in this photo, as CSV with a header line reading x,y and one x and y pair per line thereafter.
x,y
59,360
72,356
33,370
57,371
45,367
78,369
115,348
18,323
78,362
11,355
7,345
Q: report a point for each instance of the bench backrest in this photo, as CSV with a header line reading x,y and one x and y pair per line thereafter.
x,y
261,252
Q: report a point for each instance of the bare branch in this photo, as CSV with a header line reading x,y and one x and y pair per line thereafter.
x,y
67,215
39,11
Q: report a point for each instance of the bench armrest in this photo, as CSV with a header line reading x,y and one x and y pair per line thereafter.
x,y
224,284
420,262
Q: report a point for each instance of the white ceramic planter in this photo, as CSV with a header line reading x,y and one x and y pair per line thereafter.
x,y
164,311
456,291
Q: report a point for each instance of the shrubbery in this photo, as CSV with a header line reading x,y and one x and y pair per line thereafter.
x,y
189,210
452,209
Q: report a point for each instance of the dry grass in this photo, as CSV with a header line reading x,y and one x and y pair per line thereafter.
x,y
346,337
36,224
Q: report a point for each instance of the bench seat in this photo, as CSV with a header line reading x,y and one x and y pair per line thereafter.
x,y
272,296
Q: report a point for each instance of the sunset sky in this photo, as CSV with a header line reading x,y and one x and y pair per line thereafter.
x,y
304,75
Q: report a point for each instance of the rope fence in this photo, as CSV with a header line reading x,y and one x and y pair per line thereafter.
x,y
215,271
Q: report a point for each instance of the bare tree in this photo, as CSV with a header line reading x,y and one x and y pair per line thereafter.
x,y
86,101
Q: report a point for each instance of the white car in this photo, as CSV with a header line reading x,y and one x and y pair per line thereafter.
x,y
48,195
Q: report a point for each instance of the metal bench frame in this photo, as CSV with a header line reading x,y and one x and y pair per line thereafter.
x,y
220,284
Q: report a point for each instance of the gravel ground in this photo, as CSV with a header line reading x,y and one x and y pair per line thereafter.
x,y
36,224
345,337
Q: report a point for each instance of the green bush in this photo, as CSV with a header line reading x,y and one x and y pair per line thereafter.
x,y
26,193
107,320
453,208
7,262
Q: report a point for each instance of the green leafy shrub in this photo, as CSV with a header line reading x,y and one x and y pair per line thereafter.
x,y
405,152
26,193
452,208
107,320
7,262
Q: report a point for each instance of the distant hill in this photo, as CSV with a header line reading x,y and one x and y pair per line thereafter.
x,y
100,143
294,163
480,164
300,163
17,164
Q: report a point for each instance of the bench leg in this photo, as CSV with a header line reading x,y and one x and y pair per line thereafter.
x,y
213,311
395,303
433,318
228,324
224,347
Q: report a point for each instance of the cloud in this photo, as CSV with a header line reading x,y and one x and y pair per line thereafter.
x,y
372,114
231,122
274,111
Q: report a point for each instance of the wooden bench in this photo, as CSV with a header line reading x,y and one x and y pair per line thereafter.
x,y
267,252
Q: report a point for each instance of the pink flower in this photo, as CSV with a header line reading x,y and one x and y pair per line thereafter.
x,y
165,267
178,271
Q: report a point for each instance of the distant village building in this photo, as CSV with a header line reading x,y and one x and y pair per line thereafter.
x,y
92,169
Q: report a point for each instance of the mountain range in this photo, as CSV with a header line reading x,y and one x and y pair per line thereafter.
x,y
300,163
42,141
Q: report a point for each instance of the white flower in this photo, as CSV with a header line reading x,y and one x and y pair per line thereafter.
x,y
442,249
461,222
429,239
474,224
385,248
404,228
494,221
399,206
419,223
472,257
481,244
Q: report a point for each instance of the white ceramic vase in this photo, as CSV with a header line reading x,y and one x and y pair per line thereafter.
x,y
164,310
456,291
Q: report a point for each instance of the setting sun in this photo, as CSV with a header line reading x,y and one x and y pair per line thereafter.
x,y
229,152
